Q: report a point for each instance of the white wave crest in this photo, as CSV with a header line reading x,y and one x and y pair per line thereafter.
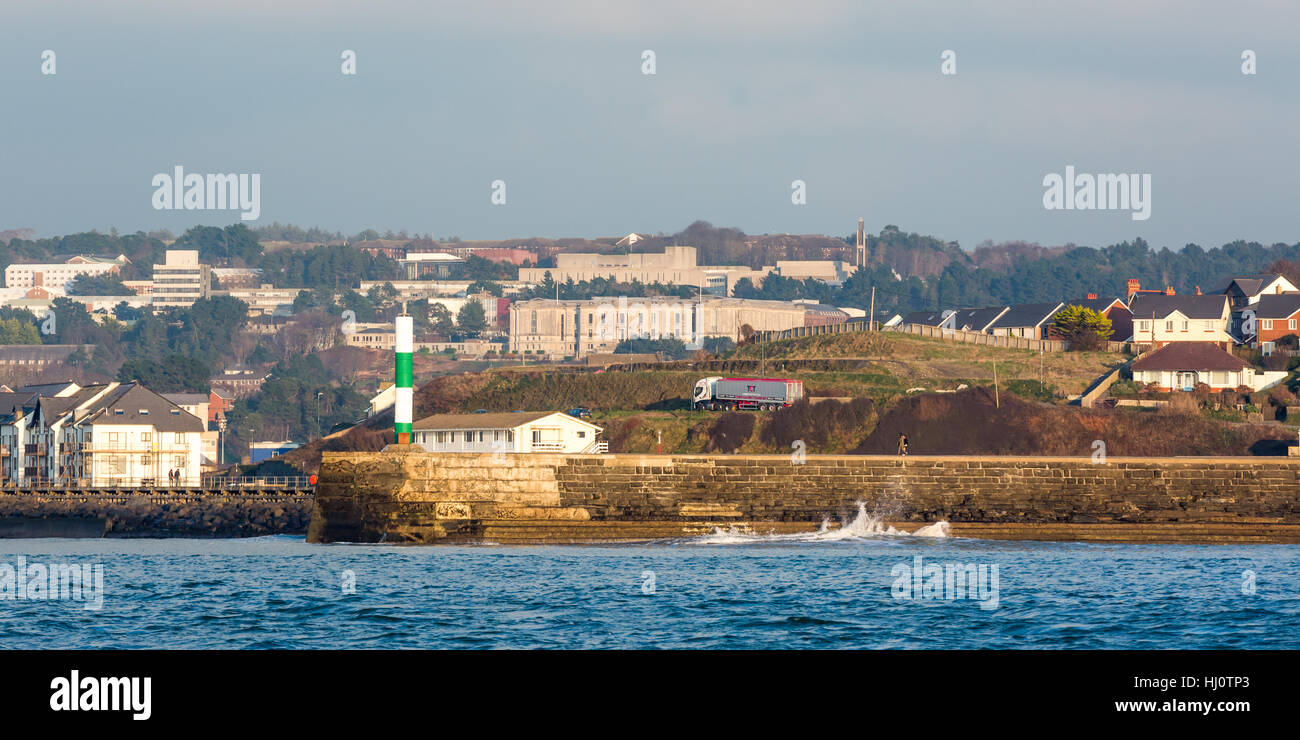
x,y
863,526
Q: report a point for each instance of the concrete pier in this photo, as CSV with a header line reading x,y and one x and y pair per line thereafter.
x,y
406,495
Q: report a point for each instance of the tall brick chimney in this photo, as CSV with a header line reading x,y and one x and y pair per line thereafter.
x,y
1133,286
1198,290
1169,290
1091,296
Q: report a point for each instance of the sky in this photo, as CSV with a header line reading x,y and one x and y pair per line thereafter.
x,y
747,97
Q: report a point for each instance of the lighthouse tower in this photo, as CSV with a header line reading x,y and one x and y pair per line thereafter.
x,y
403,373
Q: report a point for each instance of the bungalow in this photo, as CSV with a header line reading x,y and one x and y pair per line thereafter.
x,y
1248,289
1162,318
1270,318
977,319
938,319
518,432
1183,365
1029,320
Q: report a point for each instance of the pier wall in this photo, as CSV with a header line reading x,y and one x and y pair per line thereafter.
x,y
407,495
86,514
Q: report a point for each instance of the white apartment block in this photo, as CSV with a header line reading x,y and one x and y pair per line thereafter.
x,y
117,434
597,325
60,275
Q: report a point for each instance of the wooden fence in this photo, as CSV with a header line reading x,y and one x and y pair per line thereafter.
x,y
933,332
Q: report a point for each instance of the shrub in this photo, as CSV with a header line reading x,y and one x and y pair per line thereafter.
x,y
731,431
814,423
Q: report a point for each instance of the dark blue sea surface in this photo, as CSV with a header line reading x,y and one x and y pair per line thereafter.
x,y
712,592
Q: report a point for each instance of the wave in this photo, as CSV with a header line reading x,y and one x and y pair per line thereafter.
x,y
864,525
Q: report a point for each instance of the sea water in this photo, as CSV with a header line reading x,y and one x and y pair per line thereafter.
x,y
862,585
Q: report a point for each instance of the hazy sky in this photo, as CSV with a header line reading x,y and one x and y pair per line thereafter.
x,y
747,97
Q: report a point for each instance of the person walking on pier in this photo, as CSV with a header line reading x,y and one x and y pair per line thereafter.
x,y
902,443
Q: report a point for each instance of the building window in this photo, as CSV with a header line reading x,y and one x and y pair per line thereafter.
x,y
1290,324
1169,326
440,437
146,436
180,438
1266,323
178,461
510,436
1184,326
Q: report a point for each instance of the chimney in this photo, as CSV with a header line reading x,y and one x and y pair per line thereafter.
x,y
1092,296
1169,290
1133,286
1198,290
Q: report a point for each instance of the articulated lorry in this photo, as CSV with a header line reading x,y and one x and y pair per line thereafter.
x,y
758,394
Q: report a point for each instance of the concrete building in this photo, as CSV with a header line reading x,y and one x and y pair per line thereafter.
x,y
508,433
232,278
264,300
674,266
180,280
60,275
238,382
429,265
579,328
40,355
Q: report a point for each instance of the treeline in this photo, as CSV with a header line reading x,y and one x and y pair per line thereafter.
x,y
601,287
1050,276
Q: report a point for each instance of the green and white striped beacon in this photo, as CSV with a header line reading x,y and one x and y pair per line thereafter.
x,y
403,373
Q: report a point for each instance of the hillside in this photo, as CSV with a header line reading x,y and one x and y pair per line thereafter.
x,y
931,362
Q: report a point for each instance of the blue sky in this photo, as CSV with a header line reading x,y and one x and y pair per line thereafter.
x,y
549,97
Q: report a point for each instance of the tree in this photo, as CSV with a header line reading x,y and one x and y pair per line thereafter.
x,y
440,320
99,285
1083,328
17,331
174,374
471,319
671,347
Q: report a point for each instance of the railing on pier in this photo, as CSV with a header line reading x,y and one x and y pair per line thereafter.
x,y
207,483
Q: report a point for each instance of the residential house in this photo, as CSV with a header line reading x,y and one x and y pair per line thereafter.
x,y
1248,289
977,319
1270,318
938,319
1028,320
509,433
239,382
1161,318
1184,365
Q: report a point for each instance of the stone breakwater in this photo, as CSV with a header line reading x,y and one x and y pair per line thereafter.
x,y
25,514
410,496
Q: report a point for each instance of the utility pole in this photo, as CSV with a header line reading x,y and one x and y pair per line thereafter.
x,y
871,317
997,401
